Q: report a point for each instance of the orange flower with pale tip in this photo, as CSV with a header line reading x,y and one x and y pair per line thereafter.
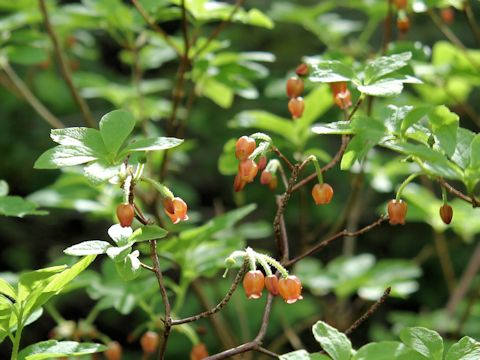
x,y
176,209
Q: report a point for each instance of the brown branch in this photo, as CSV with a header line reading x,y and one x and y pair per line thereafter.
x,y
281,156
459,194
387,30
220,305
451,36
36,104
369,312
219,29
469,274
155,27
331,164
64,67
324,243
467,8
267,352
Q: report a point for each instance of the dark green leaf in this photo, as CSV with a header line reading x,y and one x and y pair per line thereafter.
x,y
331,71
444,126
386,350
461,156
414,116
17,206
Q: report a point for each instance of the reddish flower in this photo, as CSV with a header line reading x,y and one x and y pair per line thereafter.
x,y
338,87
302,70
149,342
271,283
290,289
125,214
244,147
262,162
296,107
446,213
272,185
114,351
176,209
295,87
238,183
322,194
341,95
266,177
448,15
199,352
247,170
403,25
401,4
397,210
253,283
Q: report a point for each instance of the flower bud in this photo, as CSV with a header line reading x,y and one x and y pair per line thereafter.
x,y
322,194
149,342
271,283
446,213
199,352
397,210
244,147
247,170
295,87
125,214
253,283
296,106
302,70
290,289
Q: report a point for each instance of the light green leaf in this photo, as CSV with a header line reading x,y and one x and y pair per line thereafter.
x,y
414,116
90,247
475,152
461,156
383,87
359,146
385,65
265,121
218,92
115,128
31,280
444,126
331,71
152,144
296,355
395,118
99,172
128,269
424,341
17,206
386,350
53,348
339,128
148,232
3,188
62,155
465,349
119,253
80,136
7,289
335,343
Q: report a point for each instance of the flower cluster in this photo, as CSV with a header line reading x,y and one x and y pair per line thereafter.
x,y
287,286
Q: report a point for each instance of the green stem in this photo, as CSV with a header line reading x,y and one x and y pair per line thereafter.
x,y
318,170
18,335
404,184
276,265
54,314
251,258
444,196
264,264
162,189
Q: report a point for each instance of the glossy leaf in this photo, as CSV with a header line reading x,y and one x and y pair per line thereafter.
x,y
386,350
465,349
62,155
115,128
91,247
385,65
148,232
53,348
424,341
331,71
335,343
152,144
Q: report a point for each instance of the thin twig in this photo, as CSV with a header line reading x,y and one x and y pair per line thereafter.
x,y
342,233
369,312
155,27
459,194
387,31
467,8
267,352
281,156
220,305
23,89
451,36
64,67
469,274
219,29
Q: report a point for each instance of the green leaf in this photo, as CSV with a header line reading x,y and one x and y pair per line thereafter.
x,y
91,247
53,348
461,156
465,349
396,116
444,126
115,128
62,155
424,341
216,91
383,87
335,343
3,188
475,152
414,116
31,280
265,121
80,136
26,54
148,232
218,223
17,206
152,144
296,355
99,172
338,128
358,147
386,350
7,289
129,269
331,71
385,65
